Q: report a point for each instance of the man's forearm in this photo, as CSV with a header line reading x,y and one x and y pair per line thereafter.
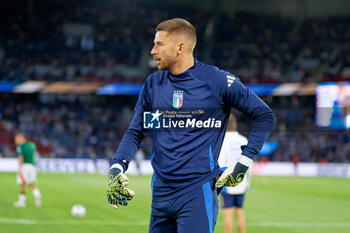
x,y
261,130
20,163
128,147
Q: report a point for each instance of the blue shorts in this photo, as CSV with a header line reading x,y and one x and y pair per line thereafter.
x,y
195,212
231,200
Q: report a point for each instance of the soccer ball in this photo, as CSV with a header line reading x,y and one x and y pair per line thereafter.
x,y
78,211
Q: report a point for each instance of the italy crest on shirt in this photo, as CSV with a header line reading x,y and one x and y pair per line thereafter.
x,y
178,99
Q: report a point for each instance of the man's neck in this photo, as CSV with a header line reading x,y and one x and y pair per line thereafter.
x,y
183,65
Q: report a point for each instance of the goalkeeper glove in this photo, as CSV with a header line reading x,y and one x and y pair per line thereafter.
x,y
117,193
234,175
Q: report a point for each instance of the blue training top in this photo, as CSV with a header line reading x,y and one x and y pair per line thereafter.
x,y
187,115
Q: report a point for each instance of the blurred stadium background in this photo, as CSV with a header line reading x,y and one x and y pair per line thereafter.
x,y
70,72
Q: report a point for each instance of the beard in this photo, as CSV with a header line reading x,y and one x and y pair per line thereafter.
x,y
167,63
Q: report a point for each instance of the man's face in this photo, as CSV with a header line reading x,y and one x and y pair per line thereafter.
x,y
164,50
20,139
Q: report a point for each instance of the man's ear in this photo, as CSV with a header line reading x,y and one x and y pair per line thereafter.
x,y
181,48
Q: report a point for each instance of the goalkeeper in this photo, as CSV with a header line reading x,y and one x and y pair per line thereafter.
x,y
185,158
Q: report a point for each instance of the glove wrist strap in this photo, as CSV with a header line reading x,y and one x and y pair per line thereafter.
x,y
117,165
246,161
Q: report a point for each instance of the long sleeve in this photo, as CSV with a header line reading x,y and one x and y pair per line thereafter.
x,y
246,101
134,135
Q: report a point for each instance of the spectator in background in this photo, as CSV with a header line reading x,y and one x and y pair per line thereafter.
x,y
295,161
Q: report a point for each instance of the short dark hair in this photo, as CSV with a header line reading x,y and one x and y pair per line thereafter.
x,y
178,26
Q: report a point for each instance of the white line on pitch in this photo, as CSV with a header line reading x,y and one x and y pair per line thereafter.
x,y
301,224
70,222
145,223
16,220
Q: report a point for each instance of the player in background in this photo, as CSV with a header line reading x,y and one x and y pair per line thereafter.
x,y
232,197
185,153
139,157
27,173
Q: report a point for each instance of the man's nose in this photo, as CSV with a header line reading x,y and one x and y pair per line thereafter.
x,y
153,51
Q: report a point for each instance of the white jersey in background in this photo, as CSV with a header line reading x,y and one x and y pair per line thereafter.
x,y
230,153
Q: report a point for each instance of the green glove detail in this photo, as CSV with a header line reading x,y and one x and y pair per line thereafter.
x,y
232,176
117,193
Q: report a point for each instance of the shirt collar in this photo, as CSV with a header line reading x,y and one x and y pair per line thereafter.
x,y
184,76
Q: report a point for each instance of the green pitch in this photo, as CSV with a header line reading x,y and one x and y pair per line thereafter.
x,y
273,204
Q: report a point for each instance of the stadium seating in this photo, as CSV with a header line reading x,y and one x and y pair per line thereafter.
x,y
110,42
